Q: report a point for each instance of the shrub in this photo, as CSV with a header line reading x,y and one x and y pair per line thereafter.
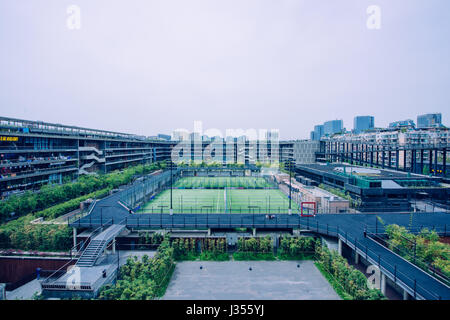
x,y
50,195
142,280
352,281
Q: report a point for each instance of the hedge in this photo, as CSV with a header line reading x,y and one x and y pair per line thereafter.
x,y
50,195
68,206
143,280
21,234
353,282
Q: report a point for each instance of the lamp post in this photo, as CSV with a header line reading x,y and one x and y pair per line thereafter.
x,y
171,185
290,188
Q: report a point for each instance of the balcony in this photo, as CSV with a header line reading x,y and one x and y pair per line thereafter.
x,y
36,172
31,149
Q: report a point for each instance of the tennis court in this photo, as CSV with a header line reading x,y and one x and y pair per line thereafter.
x,y
187,200
257,201
220,201
222,182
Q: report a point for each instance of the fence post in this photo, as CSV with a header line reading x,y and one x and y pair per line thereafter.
x,y
415,283
395,273
376,225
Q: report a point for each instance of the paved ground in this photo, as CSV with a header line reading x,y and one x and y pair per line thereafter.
x,y
24,292
268,280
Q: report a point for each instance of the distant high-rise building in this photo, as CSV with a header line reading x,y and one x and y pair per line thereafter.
x,y
164,136
408,123
195,136
318,132
332,127
429,120
312,136
362,123
272,135
180,135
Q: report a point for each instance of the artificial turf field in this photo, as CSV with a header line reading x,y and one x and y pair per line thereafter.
x,y
222,182
220,200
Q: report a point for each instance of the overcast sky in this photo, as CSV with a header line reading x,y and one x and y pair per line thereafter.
x,y
151,66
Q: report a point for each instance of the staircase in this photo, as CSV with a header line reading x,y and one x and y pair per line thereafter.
x,y
83,168
91,253
98,244
93,157
93,149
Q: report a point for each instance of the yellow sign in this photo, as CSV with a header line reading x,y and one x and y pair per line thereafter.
x,y
9,138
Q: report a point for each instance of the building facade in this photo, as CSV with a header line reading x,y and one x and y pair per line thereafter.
x,y
430,120
332,127
33,153
363,123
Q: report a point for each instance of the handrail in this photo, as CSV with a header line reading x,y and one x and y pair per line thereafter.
x,y
397,275
84,213
64,266
427,267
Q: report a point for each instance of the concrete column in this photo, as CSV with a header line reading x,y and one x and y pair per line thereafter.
x,y
75,237
356,257
209,232
254,232
405,295
383,283
114,246
340,247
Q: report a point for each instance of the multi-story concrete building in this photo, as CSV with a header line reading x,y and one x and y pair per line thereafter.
x,y
33,153
408,124
333,127
414,150
299,151
430,120
363,123
317,133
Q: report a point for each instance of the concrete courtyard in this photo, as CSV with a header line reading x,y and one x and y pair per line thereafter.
x,y
268,280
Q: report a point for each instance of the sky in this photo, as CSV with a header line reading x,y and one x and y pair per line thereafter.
x,y
153,66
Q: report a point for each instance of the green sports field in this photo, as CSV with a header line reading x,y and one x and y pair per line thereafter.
x,y
220,201
222,182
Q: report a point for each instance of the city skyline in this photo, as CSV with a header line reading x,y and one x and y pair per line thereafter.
x,y
230,65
